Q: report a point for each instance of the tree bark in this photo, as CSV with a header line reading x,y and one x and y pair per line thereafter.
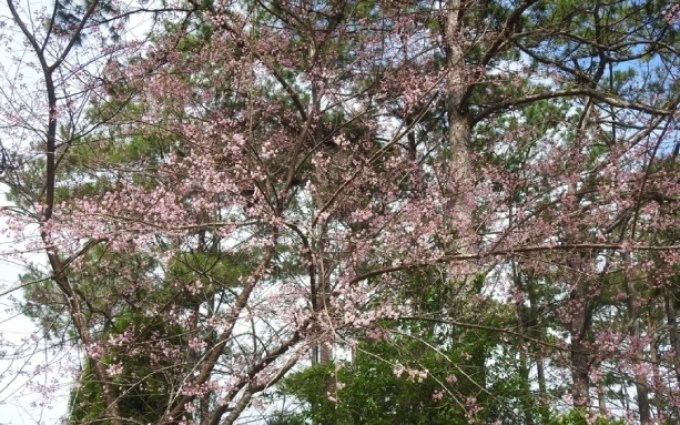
x,y
579,329
641,384
580,360
536,333
458,181
602,400
671,319
459,118
658,387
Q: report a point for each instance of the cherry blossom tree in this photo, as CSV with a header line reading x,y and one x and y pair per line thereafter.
x,y
258,182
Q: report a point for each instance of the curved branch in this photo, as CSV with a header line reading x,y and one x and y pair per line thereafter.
x,y
598,95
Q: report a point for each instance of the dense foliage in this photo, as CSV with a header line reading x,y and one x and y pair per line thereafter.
x,y
447,211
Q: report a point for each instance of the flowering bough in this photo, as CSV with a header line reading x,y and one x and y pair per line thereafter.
x,y
261,181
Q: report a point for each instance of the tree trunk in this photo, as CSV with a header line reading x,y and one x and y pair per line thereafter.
x,y
602,400
582,304
669,307
641,385
658,387
527,402
459,120
580,366
535,333
458,181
